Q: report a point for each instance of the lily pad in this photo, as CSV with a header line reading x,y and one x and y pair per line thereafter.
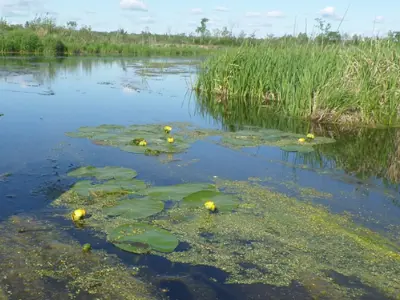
x,y
223,202
123,137
135,208
140,238
298,148
86,187
103,173
176,192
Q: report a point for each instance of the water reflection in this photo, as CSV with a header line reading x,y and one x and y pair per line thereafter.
x,y
44,71
368,154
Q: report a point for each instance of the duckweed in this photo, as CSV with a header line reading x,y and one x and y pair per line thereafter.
x,y
40,253
260,236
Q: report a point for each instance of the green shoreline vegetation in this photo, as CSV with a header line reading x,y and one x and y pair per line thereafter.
x,y
43,36
329,78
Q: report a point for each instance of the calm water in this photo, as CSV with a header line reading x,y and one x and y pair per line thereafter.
x,y
43,99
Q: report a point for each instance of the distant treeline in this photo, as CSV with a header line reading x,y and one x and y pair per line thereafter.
x,y
43,36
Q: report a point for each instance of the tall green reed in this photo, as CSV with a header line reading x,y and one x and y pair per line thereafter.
x,y
328,83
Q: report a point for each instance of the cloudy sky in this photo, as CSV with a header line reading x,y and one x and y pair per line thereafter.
x,y
258,16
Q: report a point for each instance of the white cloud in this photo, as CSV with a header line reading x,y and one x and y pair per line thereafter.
x,y
196,11
133,5
252,14
329,12
379,19
221,8
274,14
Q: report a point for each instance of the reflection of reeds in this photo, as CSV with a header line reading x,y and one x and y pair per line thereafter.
x,y
362,152
331,83
393,171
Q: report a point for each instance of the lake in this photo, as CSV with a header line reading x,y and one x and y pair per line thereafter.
x,y
309,219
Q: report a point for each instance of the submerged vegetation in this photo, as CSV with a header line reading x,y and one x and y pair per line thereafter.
x,y
254,234
36,254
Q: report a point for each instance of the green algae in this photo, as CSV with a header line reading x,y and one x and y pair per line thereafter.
x,y
39,255
284,240
268,238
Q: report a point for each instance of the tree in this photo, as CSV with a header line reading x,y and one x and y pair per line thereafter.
x,y
202,29
72,25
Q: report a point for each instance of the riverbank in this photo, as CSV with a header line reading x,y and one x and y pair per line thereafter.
x,y
25,41
45,38
326,83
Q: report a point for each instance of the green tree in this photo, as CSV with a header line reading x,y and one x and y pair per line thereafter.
x,y
202,29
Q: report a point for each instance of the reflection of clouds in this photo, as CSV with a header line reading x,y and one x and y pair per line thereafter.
x,y
129,90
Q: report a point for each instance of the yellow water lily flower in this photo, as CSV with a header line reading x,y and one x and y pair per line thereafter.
x,y
167,129
170,140
143,143
210,205
310,136
302,140
78,214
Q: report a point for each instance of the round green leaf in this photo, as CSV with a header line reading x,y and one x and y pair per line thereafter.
x,y
223,202
139,237
298,148
135,208
176,192
84,187
103,173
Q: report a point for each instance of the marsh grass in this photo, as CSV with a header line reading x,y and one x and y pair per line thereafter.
x,y
69,42
331,83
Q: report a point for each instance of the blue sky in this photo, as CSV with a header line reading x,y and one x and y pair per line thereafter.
x,y
259,16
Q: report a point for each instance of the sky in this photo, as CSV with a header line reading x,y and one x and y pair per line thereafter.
x,y
252,16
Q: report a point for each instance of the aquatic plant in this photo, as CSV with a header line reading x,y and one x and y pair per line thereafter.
x,y
287,141
328,83
257,235
142,238
78,214
140,139
37,253
281,239
126,138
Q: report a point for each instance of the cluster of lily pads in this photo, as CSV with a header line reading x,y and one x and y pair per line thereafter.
x,y
155,139
287,141
115,194
253,233
144,139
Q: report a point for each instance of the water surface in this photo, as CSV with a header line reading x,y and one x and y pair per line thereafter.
x,y
41,99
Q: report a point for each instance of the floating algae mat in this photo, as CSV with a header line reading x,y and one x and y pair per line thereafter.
x,y
287,141
35,254
257,236
142,139
156,140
